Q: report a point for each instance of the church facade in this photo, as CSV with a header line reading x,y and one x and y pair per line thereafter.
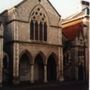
x,y
32,45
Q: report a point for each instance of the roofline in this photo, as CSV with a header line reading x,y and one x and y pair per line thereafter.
x,y
73,20
20,3
3,12
54,8
15,6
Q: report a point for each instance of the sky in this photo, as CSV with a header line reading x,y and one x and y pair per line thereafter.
x,y
64,7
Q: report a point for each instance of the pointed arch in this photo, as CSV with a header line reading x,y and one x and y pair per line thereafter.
x,y
39,16
24,66
41,31
6,69
36,30
38,7
39,67
45,31
31,30
52,67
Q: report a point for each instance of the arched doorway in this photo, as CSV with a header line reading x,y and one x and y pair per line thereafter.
x,y
24,67
6,73
39,69
51,69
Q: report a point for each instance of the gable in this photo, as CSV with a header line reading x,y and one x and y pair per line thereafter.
x,y
25,8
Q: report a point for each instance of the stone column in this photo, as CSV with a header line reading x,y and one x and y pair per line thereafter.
x,y
32,73
45,73
1,61
15,63
60,65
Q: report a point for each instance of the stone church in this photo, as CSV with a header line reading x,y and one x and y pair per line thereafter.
x,y
33,45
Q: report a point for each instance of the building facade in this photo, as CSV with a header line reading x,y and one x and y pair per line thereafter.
x,y
32,43
76,45
37,47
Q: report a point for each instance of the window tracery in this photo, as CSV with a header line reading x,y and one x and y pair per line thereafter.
x,y
38,25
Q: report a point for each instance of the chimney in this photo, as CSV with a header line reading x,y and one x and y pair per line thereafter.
x,y
85,4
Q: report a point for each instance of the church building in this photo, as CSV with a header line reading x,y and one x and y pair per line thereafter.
x,y
37,46
32,45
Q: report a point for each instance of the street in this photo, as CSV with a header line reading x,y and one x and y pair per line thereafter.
x,y
52,85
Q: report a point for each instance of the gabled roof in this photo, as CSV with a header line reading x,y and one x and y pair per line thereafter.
x,y
73,17
48,2
54,8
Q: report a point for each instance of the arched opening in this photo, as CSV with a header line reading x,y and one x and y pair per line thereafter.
x,y
36,30
80,72
6,72
31,30
45,31
51,69
41,31
24,68
39,69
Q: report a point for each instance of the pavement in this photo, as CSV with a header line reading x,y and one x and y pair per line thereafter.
x,y
70,85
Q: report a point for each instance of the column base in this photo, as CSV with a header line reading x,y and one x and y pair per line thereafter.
x,y
32,82
61,78
1,85
16,81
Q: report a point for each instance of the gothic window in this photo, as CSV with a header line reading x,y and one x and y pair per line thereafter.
x,y
36,30
38,25
41,31
45,32
32,30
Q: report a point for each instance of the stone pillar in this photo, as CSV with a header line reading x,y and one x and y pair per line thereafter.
x,y
1,54
1,61
45,73
60,65
16,63
32,73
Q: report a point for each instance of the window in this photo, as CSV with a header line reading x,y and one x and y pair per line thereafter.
x,y
41,31
38,25
45,32
32,30
36,30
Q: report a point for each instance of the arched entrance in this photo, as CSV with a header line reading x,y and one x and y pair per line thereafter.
x,y
6,73
51,69
38,69
24,67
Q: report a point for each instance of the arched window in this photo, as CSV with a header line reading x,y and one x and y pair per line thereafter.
x,y
36,30
45,31
31,30
38,25
41,32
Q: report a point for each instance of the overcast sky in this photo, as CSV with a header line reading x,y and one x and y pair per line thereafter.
x,y
64,7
